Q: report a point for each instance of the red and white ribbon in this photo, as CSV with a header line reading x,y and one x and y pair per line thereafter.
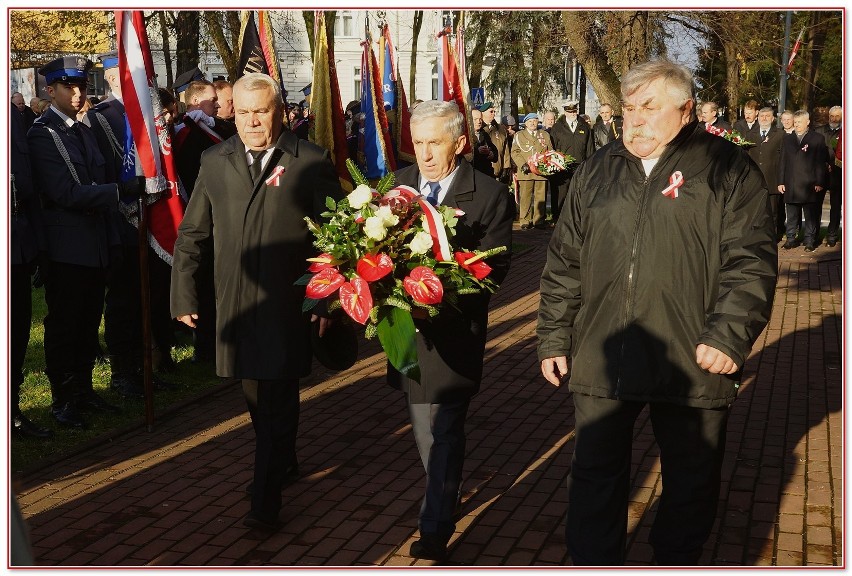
x,y
434,221
275,178
675,182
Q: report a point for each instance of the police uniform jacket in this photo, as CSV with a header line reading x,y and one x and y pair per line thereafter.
x,y
26,234
578,143
451,346
77,215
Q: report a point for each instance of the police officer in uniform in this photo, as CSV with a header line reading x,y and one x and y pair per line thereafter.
x,y
26,245
82,239
123,312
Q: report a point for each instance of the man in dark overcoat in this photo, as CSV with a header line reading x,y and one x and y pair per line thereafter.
x,y
571,135
450,347
255,189
802,174
82,239
766,153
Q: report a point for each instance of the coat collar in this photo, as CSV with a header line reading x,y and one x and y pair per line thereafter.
x,y
286,148
461,190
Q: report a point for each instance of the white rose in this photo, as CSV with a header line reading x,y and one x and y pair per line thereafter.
x,y
360,197
421,243
387,216
374,228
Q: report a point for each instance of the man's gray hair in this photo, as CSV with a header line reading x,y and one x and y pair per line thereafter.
x,y
835,109
258,81
678,79
802,114
454,121
766,109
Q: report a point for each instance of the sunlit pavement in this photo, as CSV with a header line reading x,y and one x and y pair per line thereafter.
x,y
175,496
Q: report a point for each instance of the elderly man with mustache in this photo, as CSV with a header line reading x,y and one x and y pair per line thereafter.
x,y
659,278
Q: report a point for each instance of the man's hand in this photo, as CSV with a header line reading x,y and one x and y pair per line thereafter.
x,y
714,361
188,319
554,369
323,323
818,188
781,188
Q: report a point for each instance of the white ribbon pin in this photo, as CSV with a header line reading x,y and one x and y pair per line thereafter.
x,y
275,178
675,182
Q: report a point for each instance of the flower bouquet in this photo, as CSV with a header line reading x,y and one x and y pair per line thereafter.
x,y
387,253
730,135
549,162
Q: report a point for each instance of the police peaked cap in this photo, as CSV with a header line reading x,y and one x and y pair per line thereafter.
x,y
68,69
109,60
184,78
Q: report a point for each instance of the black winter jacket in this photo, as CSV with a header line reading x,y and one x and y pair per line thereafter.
x,y
635,280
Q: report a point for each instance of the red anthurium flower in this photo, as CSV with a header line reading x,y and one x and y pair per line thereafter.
x,y
371,267
473,264
424,286
356,299
324,283
321,262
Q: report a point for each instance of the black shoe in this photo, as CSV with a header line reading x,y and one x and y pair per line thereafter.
x,y
290,476
809,247
542,226
254,521
790,244
22,427
90,401
67,415
429,547
526,226
126,386
832,242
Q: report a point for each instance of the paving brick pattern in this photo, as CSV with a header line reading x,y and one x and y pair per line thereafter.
x,y
175,496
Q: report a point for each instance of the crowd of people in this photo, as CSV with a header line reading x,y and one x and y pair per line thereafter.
x,y
655,178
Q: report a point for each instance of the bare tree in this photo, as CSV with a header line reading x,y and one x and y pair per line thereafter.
x,y
217,23
187,34
412,72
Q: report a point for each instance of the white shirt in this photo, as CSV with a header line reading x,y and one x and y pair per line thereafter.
x,y
263,159
445,184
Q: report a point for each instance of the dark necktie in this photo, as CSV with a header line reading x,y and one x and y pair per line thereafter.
x,y
763,134
256,168
434,190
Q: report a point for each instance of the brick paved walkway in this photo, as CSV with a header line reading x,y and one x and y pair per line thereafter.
x,y
175,496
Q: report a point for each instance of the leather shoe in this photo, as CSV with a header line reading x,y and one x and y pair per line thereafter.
x,y
256,522
809,247
90,401
790,244
429,547
832,242
23,427
67,415
526,226
126,386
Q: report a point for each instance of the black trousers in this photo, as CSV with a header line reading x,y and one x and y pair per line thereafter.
x,y
692,444
75,301
274,409
440,437
812,212
20,317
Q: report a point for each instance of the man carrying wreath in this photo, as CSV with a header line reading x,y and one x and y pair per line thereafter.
x,y
450,346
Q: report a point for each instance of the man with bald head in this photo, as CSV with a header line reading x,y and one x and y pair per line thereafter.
x,y
25,111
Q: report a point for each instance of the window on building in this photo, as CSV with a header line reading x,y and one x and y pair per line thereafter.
x,y
435,81
356,75
343,23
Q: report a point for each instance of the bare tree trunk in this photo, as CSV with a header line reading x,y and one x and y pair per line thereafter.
x,y
187,31
732,79
167,51
476,56
816,43
214,21
412,73
592,57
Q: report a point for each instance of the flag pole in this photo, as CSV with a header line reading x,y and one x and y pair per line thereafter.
x,y
147,379
782,89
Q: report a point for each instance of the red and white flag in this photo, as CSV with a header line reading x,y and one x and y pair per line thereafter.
x,y
450,87
150,134
795,50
